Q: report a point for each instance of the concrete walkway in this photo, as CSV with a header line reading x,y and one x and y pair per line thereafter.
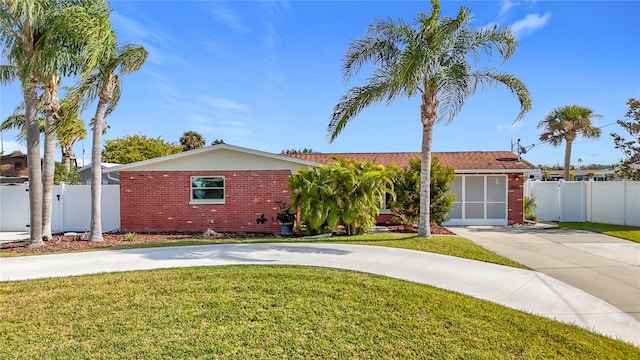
x,y
11,236
604,266
525,290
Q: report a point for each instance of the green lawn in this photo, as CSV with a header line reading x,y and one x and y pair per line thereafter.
x,y
624,232
446,245
263,311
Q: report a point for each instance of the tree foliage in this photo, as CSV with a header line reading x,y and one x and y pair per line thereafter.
x,y
191,140
132,148
347,193
566,123
407,188
62,174
437,59
217,142
629,166
297,151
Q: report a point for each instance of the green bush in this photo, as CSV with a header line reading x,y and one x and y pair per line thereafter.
x,y
68,177
130,236
347,193
406,207
530,209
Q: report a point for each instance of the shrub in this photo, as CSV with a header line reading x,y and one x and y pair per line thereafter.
x,y
347,193
406,207
131,236
530,208
68,177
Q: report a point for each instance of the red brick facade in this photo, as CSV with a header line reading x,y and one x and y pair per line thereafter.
x,y
155,201
515,199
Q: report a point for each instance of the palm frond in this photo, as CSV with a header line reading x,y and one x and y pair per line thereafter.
x,y
513,84
8,73
357,99
377,47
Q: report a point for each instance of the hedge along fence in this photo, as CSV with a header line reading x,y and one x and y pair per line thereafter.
x,y
608,202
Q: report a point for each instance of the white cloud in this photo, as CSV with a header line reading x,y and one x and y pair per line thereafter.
x,y
506,6
529,24
227,17
227,104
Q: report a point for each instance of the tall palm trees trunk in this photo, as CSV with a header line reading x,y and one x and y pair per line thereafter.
x,y
52,108
424,228
30,95
567,160
428,115
96,160
67,153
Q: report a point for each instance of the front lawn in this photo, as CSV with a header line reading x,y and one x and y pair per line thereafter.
x,y
631,233
266,312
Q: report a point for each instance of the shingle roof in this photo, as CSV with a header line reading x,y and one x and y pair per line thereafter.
x,y
462,160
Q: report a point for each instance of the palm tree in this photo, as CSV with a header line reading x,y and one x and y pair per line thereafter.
x,y
105,85
52,108
70,128
41,39
432,58
191,140
566,123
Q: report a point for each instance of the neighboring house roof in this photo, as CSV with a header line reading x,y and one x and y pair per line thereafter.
x,y
462,161
8,165
217,157
103,165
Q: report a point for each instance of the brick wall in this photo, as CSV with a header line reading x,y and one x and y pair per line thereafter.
x,y
515,199
155,201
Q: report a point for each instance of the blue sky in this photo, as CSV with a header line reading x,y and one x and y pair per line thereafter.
x,y
266,75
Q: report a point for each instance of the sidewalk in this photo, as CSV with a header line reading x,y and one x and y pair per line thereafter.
x,y
525,290
604,266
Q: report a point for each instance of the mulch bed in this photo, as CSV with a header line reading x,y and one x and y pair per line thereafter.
x,y
60,243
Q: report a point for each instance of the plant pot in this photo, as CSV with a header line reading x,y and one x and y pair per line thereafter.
x,y
286,229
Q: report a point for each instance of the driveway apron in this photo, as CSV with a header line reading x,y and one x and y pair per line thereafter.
x,y
604,266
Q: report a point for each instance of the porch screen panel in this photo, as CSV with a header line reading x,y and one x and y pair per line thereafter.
x,y
496,197
474,197
456,189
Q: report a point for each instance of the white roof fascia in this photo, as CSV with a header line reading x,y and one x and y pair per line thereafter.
x,y
210,149
492,171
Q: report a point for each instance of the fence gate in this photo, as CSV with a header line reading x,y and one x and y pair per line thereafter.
x,y
14,208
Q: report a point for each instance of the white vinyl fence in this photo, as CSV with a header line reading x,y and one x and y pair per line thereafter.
x,y
609,202
71,210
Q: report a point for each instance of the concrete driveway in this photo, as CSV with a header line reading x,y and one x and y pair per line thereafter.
x,y
602,265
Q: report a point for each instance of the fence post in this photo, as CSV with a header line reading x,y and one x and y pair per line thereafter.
x,y
589,200
61,208
624,201
560,199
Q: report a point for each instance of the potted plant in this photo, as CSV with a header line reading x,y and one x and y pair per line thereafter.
x,y
285,217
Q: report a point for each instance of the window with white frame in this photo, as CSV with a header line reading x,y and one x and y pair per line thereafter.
x,y
207,189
